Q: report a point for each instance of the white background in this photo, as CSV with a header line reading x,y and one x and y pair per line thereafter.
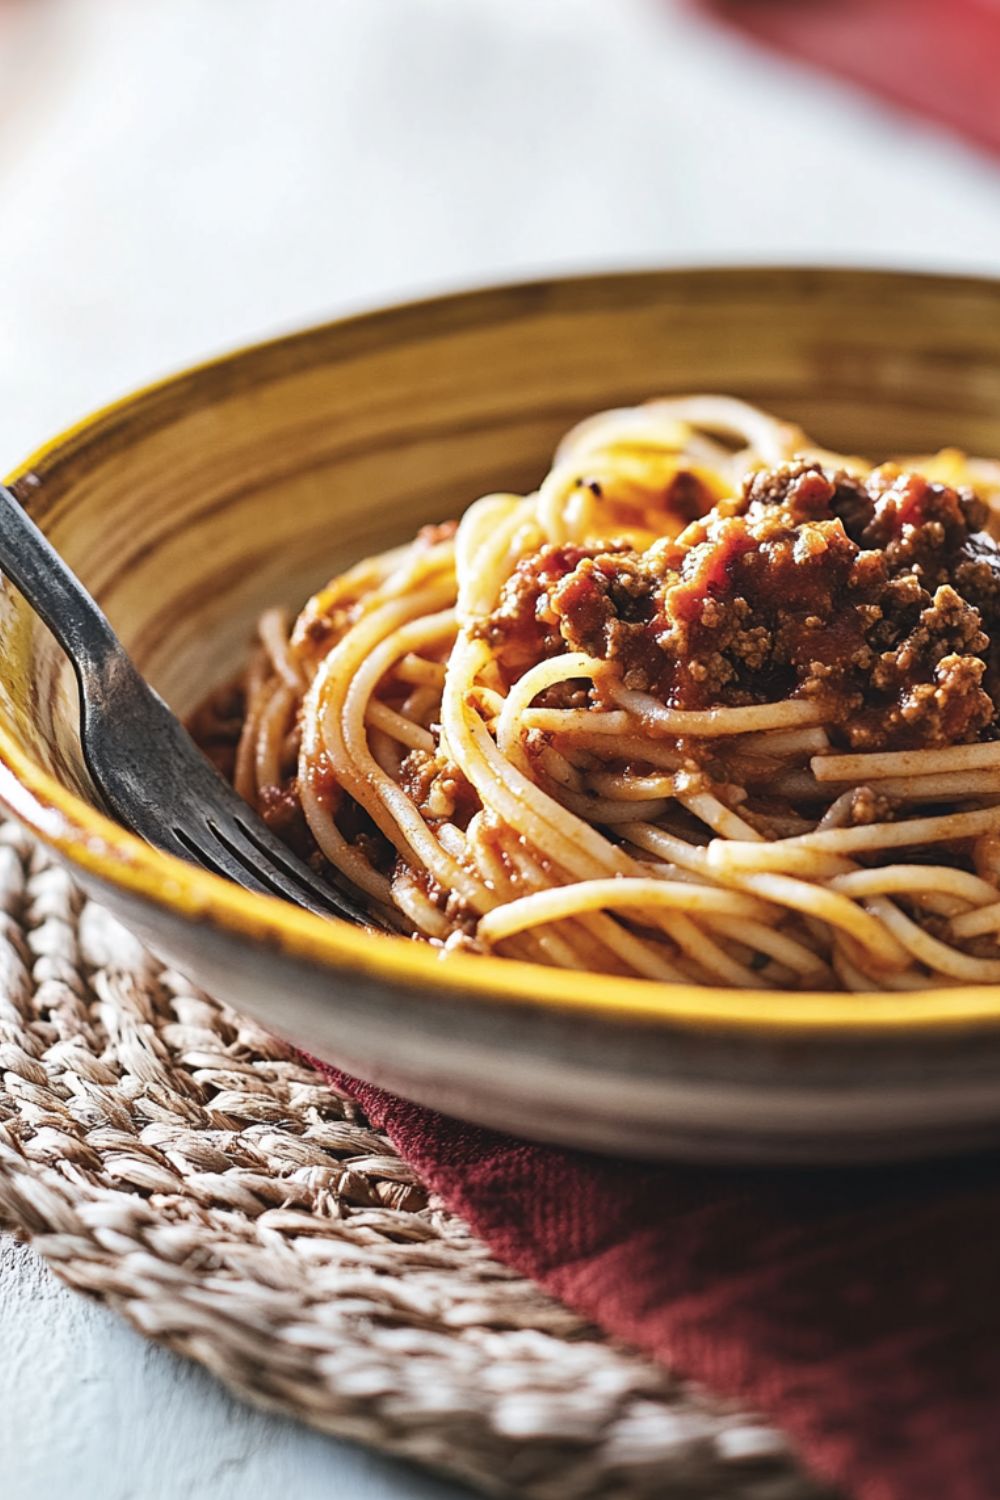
x,y
178,176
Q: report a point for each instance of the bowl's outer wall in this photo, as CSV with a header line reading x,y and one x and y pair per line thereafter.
x,y
629,1087
251,481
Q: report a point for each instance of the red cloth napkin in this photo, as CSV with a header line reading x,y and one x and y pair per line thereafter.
x,y
858,1310
938,57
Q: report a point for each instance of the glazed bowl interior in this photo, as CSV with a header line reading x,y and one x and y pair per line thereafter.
x,y
190,507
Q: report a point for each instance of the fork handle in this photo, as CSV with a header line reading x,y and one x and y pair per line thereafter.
x,y
55,593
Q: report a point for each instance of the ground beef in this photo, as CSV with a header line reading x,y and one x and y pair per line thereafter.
x,y
524,629
438,789
879,598
921,527
867,806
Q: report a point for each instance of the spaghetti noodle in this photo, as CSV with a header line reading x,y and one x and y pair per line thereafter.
x,y
713,705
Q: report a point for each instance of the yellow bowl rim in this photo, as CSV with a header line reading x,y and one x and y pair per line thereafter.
x,y
117,858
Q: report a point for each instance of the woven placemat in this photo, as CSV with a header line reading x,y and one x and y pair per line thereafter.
x,y
177,1161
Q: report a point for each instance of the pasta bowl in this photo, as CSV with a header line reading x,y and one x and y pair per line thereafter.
x,y
189,507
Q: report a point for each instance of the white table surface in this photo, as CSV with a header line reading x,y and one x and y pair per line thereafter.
x,y
178,176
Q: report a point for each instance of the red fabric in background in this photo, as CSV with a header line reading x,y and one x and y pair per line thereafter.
x,y
938,57
857,1310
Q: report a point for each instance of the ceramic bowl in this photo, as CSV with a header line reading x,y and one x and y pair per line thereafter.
x,y
188,507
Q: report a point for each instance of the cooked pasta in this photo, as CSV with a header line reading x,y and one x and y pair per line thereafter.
x,y
712,705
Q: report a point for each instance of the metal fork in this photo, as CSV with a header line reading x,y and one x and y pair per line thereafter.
x,y
148,770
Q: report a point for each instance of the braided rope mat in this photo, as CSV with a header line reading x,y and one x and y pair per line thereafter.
x,y
180,1163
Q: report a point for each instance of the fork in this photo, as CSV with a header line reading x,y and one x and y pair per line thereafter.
x,y
149,772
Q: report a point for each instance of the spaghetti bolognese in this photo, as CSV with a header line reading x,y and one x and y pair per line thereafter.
x,y
712,705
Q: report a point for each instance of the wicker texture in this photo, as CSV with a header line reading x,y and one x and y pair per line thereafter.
x,y
176,1160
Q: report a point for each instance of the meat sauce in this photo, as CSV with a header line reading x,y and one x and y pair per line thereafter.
x,y
879,598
